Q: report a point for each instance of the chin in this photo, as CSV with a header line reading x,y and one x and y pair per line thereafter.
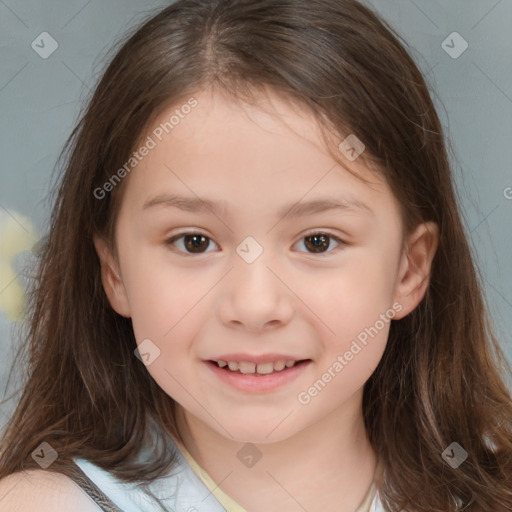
x,y
259,433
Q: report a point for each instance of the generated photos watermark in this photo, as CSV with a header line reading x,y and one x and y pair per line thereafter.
x,y
150,143
305,397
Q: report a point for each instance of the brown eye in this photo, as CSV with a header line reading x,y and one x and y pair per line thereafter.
x,y
318,243
196,243
193,243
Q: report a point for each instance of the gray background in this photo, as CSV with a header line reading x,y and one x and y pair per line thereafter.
x,y
40,101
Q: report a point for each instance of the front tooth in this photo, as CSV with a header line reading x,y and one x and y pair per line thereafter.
x,y
233,366
246,367
265,368
279,365
290,363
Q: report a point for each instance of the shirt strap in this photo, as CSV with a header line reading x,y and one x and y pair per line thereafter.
x,y
92,490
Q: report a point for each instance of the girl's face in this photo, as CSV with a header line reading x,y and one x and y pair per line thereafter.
x,y
218,260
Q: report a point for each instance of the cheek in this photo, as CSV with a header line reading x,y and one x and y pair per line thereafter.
x,y
165,301
162,295
355,308
354,296
358,319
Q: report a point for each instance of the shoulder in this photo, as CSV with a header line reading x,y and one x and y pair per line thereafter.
x,y
44,491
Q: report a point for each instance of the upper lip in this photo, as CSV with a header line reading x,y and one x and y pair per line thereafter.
x,y
264,358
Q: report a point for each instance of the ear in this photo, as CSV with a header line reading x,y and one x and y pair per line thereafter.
x,y
415,267
111,279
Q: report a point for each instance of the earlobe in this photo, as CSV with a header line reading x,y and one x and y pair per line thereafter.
x,y
415,267
111,279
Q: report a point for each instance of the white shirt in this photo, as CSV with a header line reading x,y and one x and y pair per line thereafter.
x,y
181,490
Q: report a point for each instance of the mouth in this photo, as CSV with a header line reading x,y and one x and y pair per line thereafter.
x,y
258,378
258,369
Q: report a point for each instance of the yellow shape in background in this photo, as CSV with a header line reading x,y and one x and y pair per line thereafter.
x,y
17,234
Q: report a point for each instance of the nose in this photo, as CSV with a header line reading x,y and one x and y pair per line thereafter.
x,y
255,296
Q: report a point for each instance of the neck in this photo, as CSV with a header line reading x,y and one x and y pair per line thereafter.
x,y
328,466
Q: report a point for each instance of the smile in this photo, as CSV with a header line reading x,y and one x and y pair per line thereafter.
x,y
257,378
248,367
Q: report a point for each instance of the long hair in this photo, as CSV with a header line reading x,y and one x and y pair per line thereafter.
x,y
442,376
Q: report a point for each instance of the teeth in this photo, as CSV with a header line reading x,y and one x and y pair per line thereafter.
x,y
279,365
247,367
265,368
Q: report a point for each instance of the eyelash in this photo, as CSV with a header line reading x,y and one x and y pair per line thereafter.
x,y
170,241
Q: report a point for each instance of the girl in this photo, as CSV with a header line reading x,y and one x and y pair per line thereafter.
x,y
257,293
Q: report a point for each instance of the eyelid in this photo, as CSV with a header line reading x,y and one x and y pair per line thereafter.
x,y
320,231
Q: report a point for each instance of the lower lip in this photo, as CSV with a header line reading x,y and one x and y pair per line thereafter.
x,y
255,383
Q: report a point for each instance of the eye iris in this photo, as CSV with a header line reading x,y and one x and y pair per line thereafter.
x,y
193,242
316,243
320,242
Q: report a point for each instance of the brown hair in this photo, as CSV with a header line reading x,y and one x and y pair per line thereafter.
x,y
442,376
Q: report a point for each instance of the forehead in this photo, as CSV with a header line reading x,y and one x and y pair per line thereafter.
x,y
233,152
274,120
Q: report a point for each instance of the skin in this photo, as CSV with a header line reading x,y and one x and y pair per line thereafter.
x,y
194,307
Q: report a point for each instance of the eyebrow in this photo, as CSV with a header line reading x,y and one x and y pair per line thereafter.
x,y
298,209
